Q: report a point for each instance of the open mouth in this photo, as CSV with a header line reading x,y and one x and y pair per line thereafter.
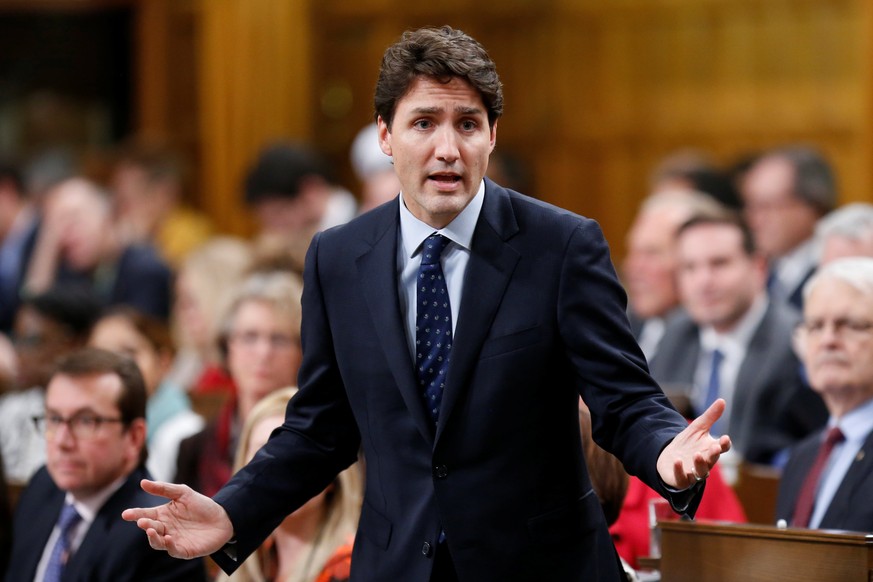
x,y
445,178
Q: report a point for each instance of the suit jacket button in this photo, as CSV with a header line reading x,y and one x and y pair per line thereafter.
x,y
441,471
427,550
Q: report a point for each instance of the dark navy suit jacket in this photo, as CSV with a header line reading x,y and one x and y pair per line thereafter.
x,y
113,550
541,321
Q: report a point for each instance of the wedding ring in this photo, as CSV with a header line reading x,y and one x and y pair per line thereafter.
x,y
698,478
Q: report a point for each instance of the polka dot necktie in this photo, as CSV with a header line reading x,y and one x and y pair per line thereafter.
x,y
433,324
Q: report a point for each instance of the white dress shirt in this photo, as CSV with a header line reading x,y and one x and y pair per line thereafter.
x,y
454,259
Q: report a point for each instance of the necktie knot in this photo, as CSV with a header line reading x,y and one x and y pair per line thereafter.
x,y
68,519
833,437
433,248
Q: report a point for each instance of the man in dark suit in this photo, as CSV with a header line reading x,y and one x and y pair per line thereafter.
x,y
67,521
729,316
829,476
466,407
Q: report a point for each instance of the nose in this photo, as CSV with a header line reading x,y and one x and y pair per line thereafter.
x,y
446,145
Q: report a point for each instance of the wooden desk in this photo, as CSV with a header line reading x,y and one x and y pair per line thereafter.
x,y
707,552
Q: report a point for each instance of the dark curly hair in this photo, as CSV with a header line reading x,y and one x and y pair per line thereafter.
x,y
440,53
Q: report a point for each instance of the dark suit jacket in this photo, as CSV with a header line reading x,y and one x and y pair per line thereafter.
x,y
851,508
113,550
542,320
772,407
140,279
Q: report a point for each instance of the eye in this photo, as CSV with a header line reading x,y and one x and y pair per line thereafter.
x,y
422,124
86,421
469,125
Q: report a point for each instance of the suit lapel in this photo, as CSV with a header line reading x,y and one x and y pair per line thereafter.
x,y
377,271
491,265
845,501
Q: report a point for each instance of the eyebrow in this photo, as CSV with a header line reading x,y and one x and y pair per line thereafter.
x,y
461,110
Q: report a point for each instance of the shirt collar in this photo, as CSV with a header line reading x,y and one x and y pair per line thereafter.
x,y
460,230
856,424
88,507
739,337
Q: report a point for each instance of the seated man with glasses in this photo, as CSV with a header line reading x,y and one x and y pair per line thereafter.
x,y
827,481
68,522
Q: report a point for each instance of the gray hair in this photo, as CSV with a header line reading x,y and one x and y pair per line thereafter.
x,y
854,271
852,221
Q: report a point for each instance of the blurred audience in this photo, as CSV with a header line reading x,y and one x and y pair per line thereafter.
x,y
47,327
649,268
734,343
205,284
785,192
846,232
261,343
292,192
829,476
5,521
374,169
313,544
18,228
77,242
147,185
67,522
690,169
169,417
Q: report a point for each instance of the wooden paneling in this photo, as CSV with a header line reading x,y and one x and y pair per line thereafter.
x,y
596,92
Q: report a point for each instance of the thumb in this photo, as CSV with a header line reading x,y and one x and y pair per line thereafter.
x,y
710,415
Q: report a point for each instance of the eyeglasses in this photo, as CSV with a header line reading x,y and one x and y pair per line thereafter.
x,y
844,327
275,340
82,426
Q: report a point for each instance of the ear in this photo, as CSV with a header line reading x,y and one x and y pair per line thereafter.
x,y
384,136
136,437
494,135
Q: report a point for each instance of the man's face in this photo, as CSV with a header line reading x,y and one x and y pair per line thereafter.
x,y
836,343
84,464
440,141
778,218
649,268
718,280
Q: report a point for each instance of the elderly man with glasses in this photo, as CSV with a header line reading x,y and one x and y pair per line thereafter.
x,y
827,481
68,522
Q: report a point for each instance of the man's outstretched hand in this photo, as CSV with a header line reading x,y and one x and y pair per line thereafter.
x,y
694,452
190,525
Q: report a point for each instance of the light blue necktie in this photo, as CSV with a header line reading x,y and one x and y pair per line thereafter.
x,y
713,388
61,551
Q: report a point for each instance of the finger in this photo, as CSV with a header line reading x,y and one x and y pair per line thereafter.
x,y
156,541
163,489
137,513
702,467
724,442
681,477
710,415
150,524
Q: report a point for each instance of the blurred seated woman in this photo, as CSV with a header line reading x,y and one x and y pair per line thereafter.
x,y
169,417
260,340
313,544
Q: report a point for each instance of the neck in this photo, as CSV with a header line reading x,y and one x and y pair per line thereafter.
x,y
293,538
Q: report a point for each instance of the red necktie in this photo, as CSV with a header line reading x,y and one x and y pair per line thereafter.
x,y
806,499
